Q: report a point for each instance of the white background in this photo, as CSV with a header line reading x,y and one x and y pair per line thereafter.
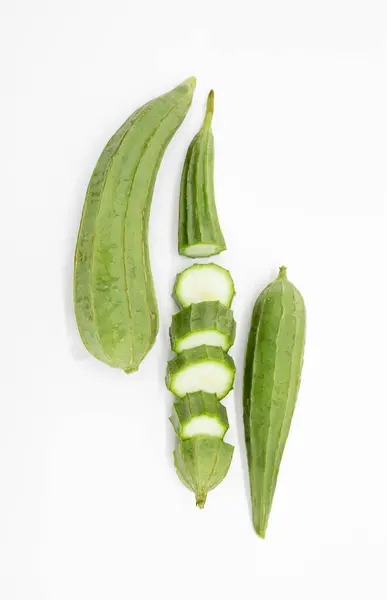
x,y
90,506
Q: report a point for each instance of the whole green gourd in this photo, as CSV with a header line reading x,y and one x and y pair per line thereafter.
x,y
272,376
114,296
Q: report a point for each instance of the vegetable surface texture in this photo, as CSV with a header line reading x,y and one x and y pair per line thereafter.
x,y
199,283
114,297
202,464
199,414
206,368
206,323
199,229
273,367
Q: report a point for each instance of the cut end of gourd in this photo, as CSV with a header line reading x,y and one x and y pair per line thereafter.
x,y
202,250
210,337
199,415
131,370
201,500
282,273
203,425
210,376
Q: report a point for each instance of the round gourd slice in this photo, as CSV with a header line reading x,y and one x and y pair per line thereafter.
x,y
199,414
206,323
201,283
206,368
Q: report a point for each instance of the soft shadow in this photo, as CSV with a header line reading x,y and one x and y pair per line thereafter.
x,y
169,398
77,350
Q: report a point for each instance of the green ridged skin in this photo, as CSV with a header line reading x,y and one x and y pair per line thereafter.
x,y
202,355
195,405
272,376
114,296
199,318
199,229
202,464
205,282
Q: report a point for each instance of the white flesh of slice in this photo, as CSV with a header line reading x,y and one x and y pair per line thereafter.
x,y
209,337
201,250
201,283
209,376
203,425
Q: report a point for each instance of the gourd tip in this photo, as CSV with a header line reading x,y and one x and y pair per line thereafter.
x,y
282,273
190,82
201,500
260,530
210,107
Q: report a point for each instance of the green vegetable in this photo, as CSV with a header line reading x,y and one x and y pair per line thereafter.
x,y
201,283
204,368
199,230
114,297
199,414
209,323
272,377
202,464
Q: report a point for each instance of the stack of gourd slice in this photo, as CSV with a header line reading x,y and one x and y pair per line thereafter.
x,y
202,373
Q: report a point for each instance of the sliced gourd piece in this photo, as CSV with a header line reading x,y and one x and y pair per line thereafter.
x,y
202,464
201,283
202,250
206,368
206,323
199,414
199,230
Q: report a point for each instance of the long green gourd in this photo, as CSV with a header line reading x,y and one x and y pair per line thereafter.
x,y
114,297
272,376
199,229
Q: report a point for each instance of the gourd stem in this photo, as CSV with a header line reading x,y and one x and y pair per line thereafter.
x,y
210,109
201,500
282,273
